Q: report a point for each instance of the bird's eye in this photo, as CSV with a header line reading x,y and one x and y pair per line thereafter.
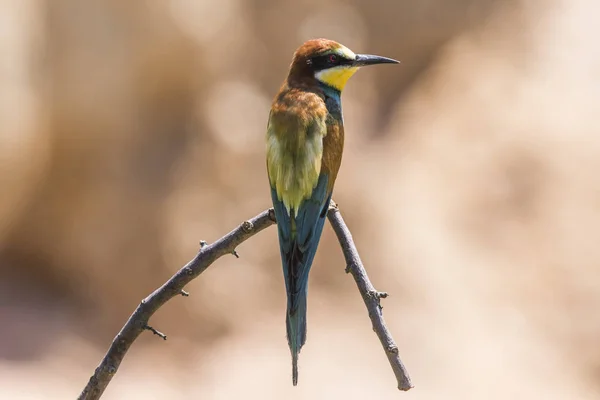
x,y
333,58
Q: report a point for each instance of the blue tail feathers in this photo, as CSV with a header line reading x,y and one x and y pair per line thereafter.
x,y
299,233
296,330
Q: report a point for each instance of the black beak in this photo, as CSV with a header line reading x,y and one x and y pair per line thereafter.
x,y
367,59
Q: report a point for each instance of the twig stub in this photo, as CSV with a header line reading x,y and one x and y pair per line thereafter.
x,y
247,226
156,332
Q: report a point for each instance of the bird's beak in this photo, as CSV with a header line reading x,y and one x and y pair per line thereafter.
x,y
366,59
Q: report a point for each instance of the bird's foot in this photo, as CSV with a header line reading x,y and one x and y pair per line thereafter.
x,y
333,205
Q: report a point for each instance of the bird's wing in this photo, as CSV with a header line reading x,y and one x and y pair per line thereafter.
x,y
309,222
299,237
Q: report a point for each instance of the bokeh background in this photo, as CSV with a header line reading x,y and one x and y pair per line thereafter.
x,y
130,130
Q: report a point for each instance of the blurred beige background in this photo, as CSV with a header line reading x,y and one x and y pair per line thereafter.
x,y
131,130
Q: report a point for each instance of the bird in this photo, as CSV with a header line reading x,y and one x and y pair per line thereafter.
x,y
304,145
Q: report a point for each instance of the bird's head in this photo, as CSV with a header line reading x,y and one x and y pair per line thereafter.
x,y
330,63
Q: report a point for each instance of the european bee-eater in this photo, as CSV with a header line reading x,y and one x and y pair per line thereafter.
x,y
305,140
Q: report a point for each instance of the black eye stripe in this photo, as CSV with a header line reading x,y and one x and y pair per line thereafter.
x,y
324,61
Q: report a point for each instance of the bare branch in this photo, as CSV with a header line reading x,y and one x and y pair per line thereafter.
x,y
370,296
138,321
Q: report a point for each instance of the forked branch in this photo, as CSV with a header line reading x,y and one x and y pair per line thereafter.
x,y
208,253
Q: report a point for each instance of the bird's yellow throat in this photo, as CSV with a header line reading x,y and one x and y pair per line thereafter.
x,y
336,77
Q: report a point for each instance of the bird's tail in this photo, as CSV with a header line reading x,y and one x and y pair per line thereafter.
x,y
296,328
